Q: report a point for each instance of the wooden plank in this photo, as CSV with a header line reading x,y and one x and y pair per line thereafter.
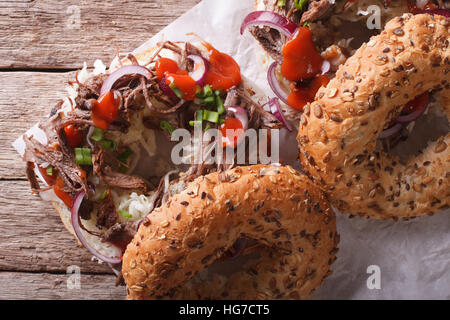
x,y
26,98
65,33
33,238
35,248
40,286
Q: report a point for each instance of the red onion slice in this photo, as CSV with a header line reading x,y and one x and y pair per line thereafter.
x,y
139,224
275,84
76,227
271,19
240,114
412,116
275,108
166,89
200,69
390,131
123,71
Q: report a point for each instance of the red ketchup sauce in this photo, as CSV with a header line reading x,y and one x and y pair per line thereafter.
x,y
231,130
49,179
74,136
64,196
223,72
301,94
105,110
302,61
169,69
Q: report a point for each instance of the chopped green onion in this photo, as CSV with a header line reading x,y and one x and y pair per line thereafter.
x,y
125,214
199,115
211,116
87,156
221,121
204,115
175,90
219,102
124,156
195,123
207,100
78,156
49,170
199,92
97,135
108,144
298,4
166,126
281,3
207,91
207,127
103,195
83,156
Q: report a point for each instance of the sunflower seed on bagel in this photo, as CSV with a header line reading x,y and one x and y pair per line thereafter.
x,y
411,56
275,206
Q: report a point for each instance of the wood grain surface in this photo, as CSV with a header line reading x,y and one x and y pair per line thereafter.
x,y
25,285
55,34
41,43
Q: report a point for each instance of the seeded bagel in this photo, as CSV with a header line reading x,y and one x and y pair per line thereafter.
x,y
338,131
275,206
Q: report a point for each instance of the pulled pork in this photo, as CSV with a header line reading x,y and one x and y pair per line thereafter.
x,y
74,177
121,180
120,234
106,214
112,178
317,9
273,41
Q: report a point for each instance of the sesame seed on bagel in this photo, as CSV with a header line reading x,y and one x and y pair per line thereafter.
x,y
275,206
337,137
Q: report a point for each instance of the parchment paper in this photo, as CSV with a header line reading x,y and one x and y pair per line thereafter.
x,y
412,257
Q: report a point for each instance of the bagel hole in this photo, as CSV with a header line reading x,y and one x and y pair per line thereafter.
x,y
414,137
233,265
227,266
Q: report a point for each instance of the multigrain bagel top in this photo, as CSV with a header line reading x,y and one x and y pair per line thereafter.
x,y
338,131
275,206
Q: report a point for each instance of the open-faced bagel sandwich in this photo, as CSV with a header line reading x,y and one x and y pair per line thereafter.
x,y
105,156
105,151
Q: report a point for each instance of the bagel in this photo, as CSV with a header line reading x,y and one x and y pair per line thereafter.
x,y
276,206
338,131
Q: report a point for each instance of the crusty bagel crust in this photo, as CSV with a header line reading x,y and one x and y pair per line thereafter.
x,y
338,131
276,206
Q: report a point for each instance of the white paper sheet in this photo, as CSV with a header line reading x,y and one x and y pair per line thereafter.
x,y
413,257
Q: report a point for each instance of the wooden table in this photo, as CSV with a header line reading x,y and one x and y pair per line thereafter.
x,y
42,43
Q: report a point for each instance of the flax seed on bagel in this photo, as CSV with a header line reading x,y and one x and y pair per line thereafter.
x,y
275,206
337,137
